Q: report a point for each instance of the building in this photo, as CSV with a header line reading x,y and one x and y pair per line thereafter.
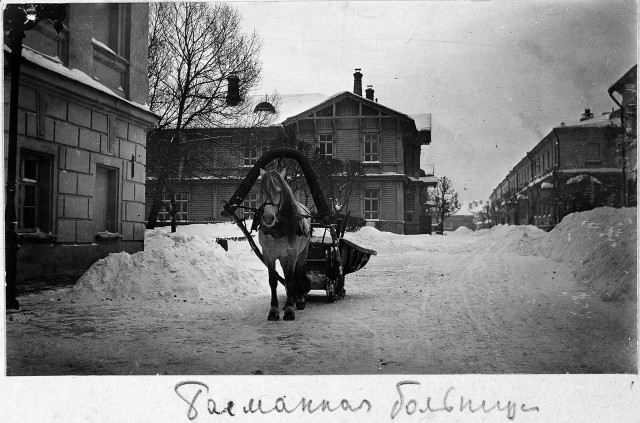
x,y
589,164
626,87
345,126
82,125
573,168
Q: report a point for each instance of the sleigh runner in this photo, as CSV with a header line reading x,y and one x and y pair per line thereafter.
x,y
329,257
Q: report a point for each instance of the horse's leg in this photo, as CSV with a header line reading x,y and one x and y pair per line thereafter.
x,y
274,313
302,281
288,267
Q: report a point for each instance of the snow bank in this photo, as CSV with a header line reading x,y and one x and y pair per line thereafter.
x,y
519,239
602,245
462,230
210,230
175,265
387,242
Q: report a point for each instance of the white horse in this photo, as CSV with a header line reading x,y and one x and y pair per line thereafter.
x,y
284,234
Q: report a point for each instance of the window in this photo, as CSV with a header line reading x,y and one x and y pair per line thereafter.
x,y
251,201
548,159
325,144
252,151
34,201
182,207
593,152
105,201
371,148
110,26
371,204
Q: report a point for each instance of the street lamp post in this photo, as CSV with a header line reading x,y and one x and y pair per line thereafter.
x,y
17,19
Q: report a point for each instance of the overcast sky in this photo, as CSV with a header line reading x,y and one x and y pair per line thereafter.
x,y
496,76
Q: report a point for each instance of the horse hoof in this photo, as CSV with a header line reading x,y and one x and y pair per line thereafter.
x,y
300,305
289,314
273,315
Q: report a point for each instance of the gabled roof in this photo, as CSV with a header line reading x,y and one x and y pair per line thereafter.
x,y
341,96
629,77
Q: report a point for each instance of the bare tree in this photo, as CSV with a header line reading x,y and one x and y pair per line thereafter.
x,y
193,49
446,201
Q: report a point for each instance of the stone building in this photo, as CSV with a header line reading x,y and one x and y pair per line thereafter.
x,y
82,125
573,168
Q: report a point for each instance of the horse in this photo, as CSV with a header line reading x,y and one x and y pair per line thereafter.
x,y
284,233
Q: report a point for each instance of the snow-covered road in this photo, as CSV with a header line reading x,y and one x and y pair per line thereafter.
x,y
491,302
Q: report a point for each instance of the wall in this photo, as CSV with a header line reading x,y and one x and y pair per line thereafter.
x,y
80,128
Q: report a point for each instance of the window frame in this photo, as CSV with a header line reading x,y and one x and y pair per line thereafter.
x,y
371,142
255,146
326,142
593,153
367,200
43,162
165,216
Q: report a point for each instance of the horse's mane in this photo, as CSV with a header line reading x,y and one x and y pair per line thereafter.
x,y
288,213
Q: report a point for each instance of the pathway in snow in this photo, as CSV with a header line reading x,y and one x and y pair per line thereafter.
x,y
485,302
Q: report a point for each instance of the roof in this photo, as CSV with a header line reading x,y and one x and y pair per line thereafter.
x,y
339,96
630,76
595,122
295,104
423,121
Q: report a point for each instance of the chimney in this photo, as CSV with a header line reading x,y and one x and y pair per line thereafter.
x,y
586,115
369,92
357,83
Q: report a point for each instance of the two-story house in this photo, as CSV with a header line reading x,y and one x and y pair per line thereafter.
x,y
82,125
345,126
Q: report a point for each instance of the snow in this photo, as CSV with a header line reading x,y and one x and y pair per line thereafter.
x,y
601,245
179,265
189,265
54,65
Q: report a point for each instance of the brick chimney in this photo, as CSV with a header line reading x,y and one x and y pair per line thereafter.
x,y
586,115
369,92
357,83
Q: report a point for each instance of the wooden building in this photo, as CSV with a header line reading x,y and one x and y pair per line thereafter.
x,y
82,127
346,126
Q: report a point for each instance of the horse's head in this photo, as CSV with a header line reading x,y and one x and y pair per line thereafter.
x,y
273,196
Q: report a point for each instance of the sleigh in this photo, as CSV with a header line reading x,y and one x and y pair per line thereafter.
x,y
331,257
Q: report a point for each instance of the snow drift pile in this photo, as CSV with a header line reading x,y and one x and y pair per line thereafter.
x,y
174,265
521,239
387,242
601,244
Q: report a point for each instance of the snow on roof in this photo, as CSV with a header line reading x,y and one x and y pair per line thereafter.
x,y
596,122
423,121
53,64
294,104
